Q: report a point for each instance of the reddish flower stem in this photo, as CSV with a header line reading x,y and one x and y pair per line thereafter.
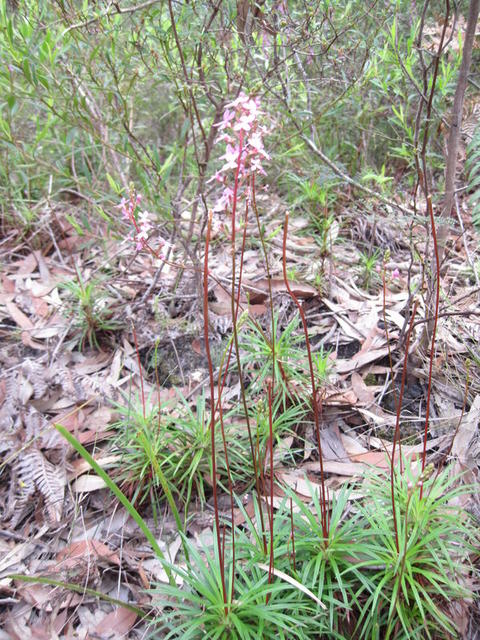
x,y
235,332
324,507
292,535
396,437
212,404
269,281
221,384
434,332
139,369
270,447
390,360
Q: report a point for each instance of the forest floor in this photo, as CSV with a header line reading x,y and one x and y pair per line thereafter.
x,y
59,520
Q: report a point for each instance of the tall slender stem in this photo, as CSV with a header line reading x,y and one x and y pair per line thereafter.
x,y
312,381
396,437
434,332
221,559
270,448
139,369
235,333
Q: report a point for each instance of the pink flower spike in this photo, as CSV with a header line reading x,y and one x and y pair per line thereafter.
x,y
228,194
220,205
226,138
252,107
396,273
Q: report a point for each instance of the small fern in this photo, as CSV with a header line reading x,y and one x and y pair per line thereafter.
x,y
36,473
472,173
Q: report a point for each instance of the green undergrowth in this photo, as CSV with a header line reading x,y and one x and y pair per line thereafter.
x,y
372,576
352,584
176,440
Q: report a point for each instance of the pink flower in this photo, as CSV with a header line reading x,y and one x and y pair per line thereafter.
x,y
144,225
243,135
396,273
256,166
228,115
242,99
255,142
243,124
231,157
225,200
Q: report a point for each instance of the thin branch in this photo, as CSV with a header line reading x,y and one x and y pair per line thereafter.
x,y
349,180
113,9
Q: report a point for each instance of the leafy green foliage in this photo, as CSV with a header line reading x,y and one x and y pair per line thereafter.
x,y
368,264
197,610
91,317
285,420
415,585
257,354
331,567
176,441
322,364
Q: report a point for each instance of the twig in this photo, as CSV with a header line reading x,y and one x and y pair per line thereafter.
x,y
349,180
108,12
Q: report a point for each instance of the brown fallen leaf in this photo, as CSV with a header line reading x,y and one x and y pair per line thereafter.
x,y
25,266
465,435
69,556
8,285
87,483
340,397
89,436
372,458
363,392
46,597
258,290
340,468
116,623
332,445
80,465
18,316
40,307
345,324
358,361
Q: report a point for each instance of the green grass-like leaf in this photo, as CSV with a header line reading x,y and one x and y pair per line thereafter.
x,y
118,494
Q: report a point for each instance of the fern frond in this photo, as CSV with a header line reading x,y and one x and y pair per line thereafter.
x,y
37,473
